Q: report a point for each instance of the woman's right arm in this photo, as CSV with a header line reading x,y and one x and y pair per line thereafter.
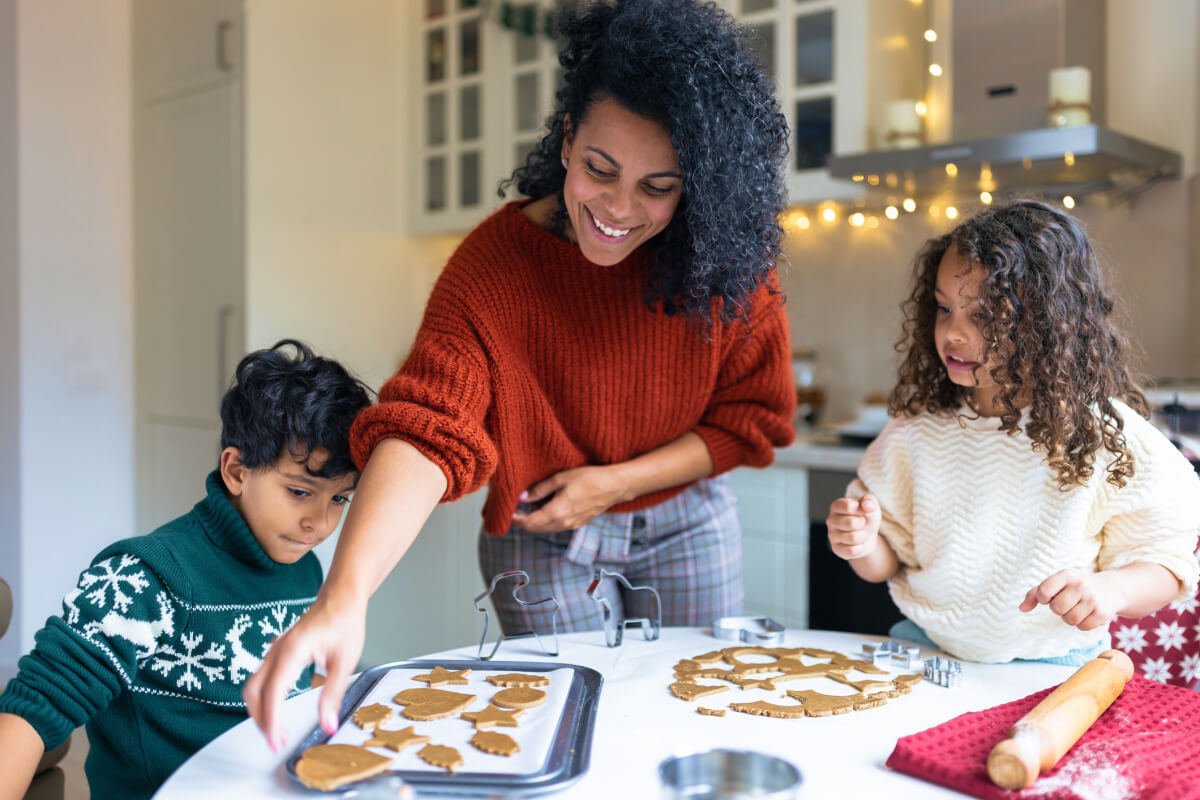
x,y
396,493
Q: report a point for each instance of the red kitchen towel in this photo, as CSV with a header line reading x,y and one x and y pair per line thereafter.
x,y
1146,745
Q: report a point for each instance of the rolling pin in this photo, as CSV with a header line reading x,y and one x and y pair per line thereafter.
x,y
1041,737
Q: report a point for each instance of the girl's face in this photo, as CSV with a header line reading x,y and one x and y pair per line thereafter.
x,y
623,181
957,330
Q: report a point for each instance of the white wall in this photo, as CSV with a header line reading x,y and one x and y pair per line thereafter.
x,y
74,276
327,128
10,320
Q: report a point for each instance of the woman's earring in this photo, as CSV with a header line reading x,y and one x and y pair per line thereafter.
x,y
564,163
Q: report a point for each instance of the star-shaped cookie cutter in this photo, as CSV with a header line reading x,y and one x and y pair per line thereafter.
x,y
892,652
614,629
522,580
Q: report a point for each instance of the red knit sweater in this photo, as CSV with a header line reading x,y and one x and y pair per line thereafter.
x,y
531,360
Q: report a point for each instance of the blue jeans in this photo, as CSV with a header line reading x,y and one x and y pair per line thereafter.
x,y
907,629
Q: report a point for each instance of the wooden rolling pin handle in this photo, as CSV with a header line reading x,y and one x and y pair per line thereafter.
x,y
1045,734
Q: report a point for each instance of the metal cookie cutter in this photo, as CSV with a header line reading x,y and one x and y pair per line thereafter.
x,y
943,671
614,629
522,579
752,630
893,653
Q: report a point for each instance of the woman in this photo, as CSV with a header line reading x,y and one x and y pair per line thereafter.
x,y
600,355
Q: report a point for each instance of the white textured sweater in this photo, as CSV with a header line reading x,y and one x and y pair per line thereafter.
x,y
976,519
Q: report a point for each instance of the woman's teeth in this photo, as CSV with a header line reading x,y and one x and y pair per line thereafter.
x,y
607,231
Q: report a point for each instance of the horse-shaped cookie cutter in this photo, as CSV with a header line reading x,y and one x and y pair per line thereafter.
x,y
522,580
614,629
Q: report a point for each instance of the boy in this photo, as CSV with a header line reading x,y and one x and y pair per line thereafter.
x,y
162,630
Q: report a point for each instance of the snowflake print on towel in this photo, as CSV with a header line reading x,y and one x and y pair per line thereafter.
x,y
168,659
1164,646
1131,638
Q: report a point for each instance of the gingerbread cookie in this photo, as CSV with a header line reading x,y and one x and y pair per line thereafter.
x,y
494,742
426,704
395,740
328,766
764,709
371,717
519,698
690,691
492,716
517,679
711,712
444,677
439,755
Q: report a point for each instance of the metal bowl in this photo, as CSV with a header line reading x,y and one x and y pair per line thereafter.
x,y
727,774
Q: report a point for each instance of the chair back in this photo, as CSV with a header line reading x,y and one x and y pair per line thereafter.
x,y
6,606
1164,646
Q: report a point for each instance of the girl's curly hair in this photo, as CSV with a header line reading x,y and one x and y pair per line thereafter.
x,y
1047,326
683,64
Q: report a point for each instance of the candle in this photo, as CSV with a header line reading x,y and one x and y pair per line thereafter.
x,y
1070,96
903,124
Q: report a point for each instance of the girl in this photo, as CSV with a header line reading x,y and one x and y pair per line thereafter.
x,y
1019,498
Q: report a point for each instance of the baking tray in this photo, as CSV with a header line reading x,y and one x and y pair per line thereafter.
x,y
570,742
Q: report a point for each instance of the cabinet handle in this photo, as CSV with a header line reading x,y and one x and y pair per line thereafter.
x,y
223,378
223,62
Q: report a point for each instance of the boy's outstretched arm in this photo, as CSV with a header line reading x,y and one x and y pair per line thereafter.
x,y
854,535
19,755
1089,600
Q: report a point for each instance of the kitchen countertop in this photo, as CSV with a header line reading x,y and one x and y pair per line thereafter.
x,y
820,450
639,723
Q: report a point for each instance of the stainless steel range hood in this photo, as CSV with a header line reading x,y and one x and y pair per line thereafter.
x,y
1001,54
1075,160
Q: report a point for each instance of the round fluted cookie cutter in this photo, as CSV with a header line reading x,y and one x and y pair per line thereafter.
x,y
752,630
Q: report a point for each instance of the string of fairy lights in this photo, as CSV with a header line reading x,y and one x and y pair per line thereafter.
x,y
860,213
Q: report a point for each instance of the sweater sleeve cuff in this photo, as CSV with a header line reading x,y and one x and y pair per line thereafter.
x,y
726,450
20,700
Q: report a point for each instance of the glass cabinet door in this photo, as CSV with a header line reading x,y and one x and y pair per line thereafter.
x,y
450,143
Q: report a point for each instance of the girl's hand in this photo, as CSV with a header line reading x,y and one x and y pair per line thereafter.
x,y
854,526
577,496
1084,600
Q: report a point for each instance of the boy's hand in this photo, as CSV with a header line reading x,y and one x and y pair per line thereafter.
x,y
1084,600
854,526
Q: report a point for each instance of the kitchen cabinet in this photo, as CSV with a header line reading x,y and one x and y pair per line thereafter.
x,y
189,266
486,76
486,85
815,52
773,510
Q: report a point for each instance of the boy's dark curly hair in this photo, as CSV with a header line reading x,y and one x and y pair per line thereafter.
x,y
683,64
1047,325
297,402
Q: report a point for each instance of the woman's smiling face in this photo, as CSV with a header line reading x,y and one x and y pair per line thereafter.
x,y
623,181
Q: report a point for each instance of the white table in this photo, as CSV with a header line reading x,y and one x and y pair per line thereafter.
x,y
640,723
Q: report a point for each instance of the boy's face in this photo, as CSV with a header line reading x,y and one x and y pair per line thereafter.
x,y
288,510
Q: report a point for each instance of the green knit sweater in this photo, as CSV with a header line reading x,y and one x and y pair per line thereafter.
x,y
155,642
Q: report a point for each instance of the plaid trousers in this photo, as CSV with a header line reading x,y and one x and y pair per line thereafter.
x,y
689,548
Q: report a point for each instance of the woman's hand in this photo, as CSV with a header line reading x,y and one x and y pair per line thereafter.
x,y
577,496
328,637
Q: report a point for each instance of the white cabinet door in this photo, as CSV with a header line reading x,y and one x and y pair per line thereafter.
x,y
188,196
185,45
773,511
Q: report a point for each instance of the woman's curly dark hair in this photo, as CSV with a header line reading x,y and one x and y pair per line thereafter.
x,y
681,63
1047,326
